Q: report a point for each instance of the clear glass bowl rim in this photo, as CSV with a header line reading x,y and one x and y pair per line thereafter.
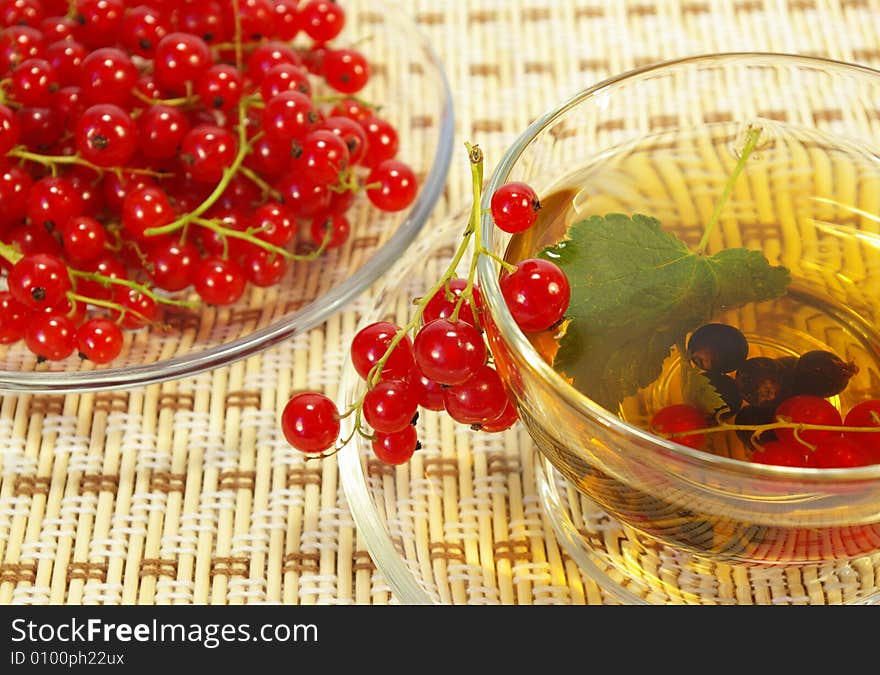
x,y
311,315
516,341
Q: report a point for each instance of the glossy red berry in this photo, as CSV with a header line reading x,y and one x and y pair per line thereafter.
x,y
677,418
478,400
504,421
146,208
515,207
99,340
172,263
179,61
322,20
838,451
52,201
310,422
389,405
392,185
219,281
39,280
14,318
443,303
106,136
807,410
397,447
51,337
220,87
447,352
346,70
207,151
33,83
780,453
865,414
108,75
370,344
10,130
83,239
537,294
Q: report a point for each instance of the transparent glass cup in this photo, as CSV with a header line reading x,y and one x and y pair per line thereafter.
x,y
668,523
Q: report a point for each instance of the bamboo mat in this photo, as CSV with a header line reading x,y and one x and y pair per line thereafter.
x,y
186,493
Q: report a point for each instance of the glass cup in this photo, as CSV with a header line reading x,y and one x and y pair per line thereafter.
x,y
661,522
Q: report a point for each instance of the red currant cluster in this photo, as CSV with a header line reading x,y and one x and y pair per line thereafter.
x,y
159,146
778,407
439,360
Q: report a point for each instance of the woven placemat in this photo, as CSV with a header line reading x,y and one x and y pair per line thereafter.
x,y
186,493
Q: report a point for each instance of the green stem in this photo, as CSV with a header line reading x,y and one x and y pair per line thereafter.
x,y
10,253
751,141
53,160
171,102
219,189
761,428
105,280
476,156
260,183
238,43
249,236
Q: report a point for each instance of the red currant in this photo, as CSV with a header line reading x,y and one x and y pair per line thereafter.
x,y
397,447
515,207
478,400
443,303
537,294
219,281
677,418
839,452
310,422
865,414
322,20
370,344
447,352
106,135
179,61
14,318
346,70
392,185
83,239
389,405
51,337
504,421
207,151
780,453
10,130
171,264
807,410
99,340
39,280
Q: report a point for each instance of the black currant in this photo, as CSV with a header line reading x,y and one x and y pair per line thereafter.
x,y
727,389
760,382
822,373
755,416
718,347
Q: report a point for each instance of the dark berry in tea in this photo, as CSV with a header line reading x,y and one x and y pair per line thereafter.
x,y
718,347
822,373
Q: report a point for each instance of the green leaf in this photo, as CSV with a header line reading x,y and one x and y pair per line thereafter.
x,y
636,291
698,391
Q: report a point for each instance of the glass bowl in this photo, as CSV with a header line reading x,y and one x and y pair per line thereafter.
x,y
684,525
408,82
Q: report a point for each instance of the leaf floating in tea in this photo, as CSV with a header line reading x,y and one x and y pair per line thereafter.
x,y
636,291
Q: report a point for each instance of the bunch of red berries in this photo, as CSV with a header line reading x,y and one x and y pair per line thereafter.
x,y
158,153
439,360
